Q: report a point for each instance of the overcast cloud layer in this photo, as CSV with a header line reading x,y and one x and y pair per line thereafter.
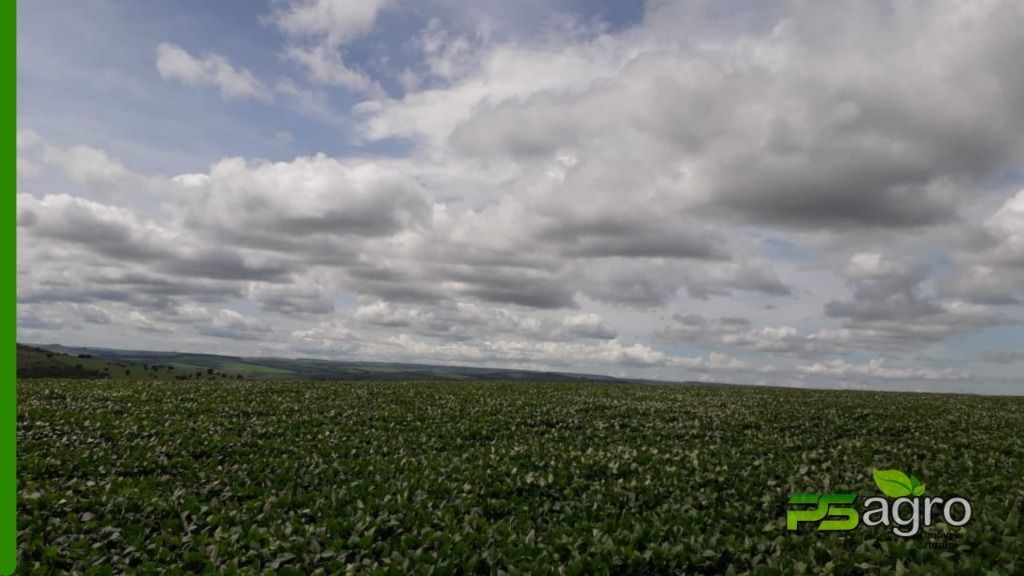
x,y
781,193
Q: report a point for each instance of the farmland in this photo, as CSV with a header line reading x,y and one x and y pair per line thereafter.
x,y
488,477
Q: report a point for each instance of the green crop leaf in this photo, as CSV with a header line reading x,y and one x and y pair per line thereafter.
x,y
918,490
893,483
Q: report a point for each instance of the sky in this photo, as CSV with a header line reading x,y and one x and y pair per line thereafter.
x,y
787,193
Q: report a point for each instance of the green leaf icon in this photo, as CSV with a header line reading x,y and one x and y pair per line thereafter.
x,y
893,483
916,486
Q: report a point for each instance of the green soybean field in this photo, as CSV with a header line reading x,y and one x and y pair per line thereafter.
x,y
324,477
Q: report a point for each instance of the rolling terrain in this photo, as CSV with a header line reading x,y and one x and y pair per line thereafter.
x,y
53,360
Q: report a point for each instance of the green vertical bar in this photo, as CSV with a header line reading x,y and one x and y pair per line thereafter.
x,y
9,358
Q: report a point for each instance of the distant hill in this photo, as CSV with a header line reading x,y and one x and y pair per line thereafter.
x,y
54,360
36,362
